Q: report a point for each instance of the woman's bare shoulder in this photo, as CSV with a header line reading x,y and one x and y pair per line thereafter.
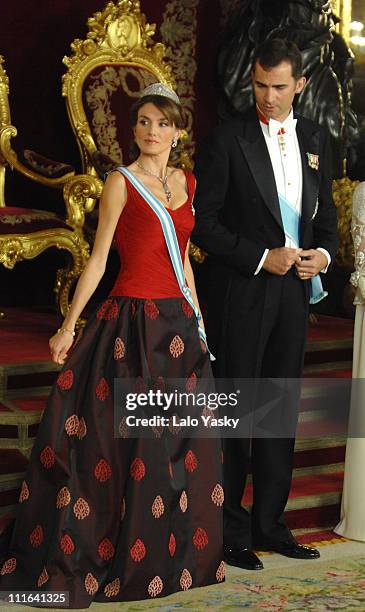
x,y
115,178
178,175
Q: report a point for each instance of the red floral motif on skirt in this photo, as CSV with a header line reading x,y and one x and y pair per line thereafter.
x,y
36,537
191,383
106,549
112,588
173,424
185,580
220,573
82,430
102,471
138,551
8,566
176,347
151,310
207,412
91,584
24,492
187,309
140,385
63,497
123,428
102,389
119,348
158,507
108,310
137,469
183,503
101,311
172,545
66,544
155,586
47,457
81,509
65,380
72,425
200,538
42,578
191,462
218,495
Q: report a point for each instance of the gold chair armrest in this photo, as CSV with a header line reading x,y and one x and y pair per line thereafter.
x,y
197,254
9,156
80,193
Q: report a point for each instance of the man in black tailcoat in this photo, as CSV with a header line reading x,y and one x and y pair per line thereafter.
x,y
250,171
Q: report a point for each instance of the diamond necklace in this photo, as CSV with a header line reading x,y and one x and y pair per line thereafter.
x,y
162,180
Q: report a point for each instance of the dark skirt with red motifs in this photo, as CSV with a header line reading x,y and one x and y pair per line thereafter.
x,y
111,519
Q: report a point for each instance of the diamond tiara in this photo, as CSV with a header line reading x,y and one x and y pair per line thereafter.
x,y
159,89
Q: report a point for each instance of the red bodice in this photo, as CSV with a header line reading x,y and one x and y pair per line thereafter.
x,y
146,270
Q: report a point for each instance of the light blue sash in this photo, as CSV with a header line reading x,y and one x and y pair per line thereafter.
x,y
172,244
291,223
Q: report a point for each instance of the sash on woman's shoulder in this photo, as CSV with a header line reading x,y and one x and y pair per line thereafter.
x,y
172,244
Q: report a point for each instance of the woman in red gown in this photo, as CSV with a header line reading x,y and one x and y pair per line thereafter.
x,y
115,519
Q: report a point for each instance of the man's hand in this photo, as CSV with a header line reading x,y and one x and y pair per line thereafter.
x,y
279,261
314,262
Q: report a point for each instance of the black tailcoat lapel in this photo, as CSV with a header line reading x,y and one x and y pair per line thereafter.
x,y
253,146
308,138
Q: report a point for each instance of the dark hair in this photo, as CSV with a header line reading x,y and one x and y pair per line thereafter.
x,y
276,50
172,112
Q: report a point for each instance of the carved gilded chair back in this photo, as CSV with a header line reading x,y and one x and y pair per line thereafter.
x,y
25,233
105,74
5,120
343,190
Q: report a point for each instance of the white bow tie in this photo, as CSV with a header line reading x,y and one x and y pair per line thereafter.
x,y
275,127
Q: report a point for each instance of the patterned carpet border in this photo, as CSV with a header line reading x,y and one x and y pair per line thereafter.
x,y
318,586
334,582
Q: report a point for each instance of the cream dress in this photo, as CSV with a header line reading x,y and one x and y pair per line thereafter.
x,y
352,523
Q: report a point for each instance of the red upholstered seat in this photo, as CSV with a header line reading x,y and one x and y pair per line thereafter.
x,y
25,233
16,220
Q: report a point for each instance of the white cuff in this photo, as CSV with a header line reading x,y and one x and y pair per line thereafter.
x,y
326,253
261,262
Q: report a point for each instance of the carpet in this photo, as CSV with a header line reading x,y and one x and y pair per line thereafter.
x,y
334,582
24,335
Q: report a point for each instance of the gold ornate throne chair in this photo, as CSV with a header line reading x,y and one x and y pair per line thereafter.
x,y
105,75
27,232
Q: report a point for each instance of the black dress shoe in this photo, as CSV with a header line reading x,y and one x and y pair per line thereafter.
x,y
243,557
293,549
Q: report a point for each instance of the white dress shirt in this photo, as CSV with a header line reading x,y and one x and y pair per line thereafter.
x,y
283,147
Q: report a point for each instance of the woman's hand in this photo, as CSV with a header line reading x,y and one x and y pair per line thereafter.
x,y
60,344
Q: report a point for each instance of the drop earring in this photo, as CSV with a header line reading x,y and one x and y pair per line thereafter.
x,y
174,142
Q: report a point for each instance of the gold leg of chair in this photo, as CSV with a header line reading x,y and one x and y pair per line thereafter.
x,y
67,277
